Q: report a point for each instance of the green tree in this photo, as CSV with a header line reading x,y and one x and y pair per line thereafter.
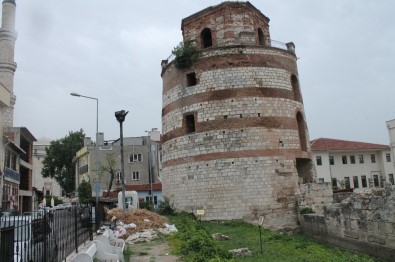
x,y
110,168
84,192
58,163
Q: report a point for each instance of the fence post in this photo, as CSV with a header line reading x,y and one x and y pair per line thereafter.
x,y
90,219
76,229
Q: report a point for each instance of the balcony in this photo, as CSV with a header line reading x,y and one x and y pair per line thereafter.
x,y
12,174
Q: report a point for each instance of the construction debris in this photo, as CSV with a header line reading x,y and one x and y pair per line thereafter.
x,y
138,224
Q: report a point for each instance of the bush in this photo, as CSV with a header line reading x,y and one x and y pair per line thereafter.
x,y
145,205
306,210
165,207
194,243
186,55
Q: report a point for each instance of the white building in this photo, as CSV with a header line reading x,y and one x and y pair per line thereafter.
x,y
351,164
42,185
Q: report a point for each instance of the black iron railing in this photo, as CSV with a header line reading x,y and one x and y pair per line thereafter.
x,y
273,43
45,235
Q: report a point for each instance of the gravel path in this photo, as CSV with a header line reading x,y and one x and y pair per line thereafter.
x,y
154,251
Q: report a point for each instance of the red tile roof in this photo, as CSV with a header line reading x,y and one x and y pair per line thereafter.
x,y
323,144
145,187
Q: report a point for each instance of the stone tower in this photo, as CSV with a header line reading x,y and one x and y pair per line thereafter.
x,y
235,139
7,64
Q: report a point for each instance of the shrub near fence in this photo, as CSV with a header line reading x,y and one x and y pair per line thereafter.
x,y
45,235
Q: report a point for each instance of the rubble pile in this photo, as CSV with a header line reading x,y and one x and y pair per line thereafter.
x,y
134,221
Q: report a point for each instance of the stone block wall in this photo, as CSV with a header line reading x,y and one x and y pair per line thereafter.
x,y
315,196
364,222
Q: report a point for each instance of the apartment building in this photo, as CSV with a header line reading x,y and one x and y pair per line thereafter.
x,y
18,167
141,162
351,164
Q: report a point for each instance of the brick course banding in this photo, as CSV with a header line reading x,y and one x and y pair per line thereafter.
x,y
204,126
227,94
235,140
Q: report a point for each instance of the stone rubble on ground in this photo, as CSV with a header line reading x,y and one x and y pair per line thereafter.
x,y
241,252
220,237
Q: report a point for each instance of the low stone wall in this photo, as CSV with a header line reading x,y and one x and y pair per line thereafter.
x,y
364,222
315,196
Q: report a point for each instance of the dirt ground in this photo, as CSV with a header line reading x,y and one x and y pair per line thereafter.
x,y
154,251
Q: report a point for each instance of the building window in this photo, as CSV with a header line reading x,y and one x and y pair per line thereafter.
x,y
373,158
136,175
318,160
206,38
352,159
190,123
334,183
118,177
13,161
355,181
191,79
344,160
376,180
360,159
7,157
321,180
331,160
391,179
364,182
261,37
148,199
135,158
388,157
347,182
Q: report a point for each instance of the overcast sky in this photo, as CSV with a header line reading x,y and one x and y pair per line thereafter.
x,y
112,50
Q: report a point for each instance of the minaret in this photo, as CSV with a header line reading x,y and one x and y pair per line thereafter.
x,y
7,64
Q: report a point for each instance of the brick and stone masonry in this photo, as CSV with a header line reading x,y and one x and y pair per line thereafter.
x,y
235,139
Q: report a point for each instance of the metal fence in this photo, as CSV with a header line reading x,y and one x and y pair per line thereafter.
x,y
45,235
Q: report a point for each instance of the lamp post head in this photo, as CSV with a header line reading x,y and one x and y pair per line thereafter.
x,y
120,115
75,94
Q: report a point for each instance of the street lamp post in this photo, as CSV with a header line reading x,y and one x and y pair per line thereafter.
x,y
120,116
96,152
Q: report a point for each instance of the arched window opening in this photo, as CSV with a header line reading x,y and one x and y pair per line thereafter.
x,y
206,38
295,88
261,37
301,131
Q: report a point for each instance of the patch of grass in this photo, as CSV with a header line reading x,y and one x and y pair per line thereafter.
x,y
276,246
306,210
127,253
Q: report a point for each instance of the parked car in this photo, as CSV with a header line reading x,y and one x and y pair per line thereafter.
x,y
34,240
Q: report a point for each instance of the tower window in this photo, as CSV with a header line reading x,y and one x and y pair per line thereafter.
x,y
191,79
301,131
261,37
295,88
190,123
206,38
